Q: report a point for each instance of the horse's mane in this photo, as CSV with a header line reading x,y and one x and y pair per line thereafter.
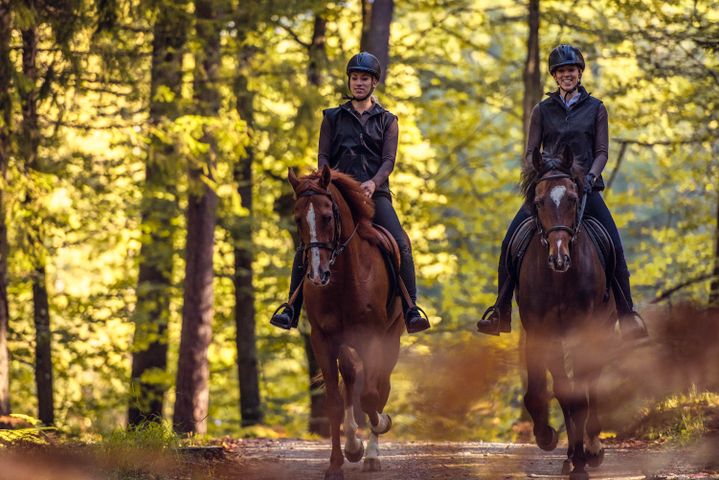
x,y
360,206
530,176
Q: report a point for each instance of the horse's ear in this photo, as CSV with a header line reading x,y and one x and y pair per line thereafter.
x,y
537,161
292,178
567,158
325,177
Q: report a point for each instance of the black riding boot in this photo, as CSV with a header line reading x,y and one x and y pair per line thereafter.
x,y
412,318
290,314
498,317
631,324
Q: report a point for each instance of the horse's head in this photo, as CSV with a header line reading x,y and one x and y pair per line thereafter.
x,y
318,224
556,197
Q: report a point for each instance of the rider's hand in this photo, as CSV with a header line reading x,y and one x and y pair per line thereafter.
x,y
589,182
369,187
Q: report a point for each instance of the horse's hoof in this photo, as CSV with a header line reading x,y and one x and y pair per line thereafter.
x,y
336,475
355,457
566,467
594,460
551,443
579,476
371,465
387,428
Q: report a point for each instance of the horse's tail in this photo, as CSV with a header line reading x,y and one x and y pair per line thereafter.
x,y
351,368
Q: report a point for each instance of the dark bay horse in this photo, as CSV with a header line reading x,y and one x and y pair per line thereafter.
x,y
356,326
566,311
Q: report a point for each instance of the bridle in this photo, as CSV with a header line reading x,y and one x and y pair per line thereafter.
x,y
335,246
573,231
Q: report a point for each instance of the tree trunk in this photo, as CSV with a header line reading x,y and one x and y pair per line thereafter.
x,y
714,284
318,423
159,208
192,397
29,144
532,96
376,21
5,135
247,364
532,82
43,358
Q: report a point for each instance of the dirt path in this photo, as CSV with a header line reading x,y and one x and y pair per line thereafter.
x,y
294,459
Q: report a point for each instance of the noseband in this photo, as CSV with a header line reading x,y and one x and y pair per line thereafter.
x,y
544,234
335,246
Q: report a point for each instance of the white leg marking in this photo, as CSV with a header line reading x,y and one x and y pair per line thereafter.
x,y
313,238
382,424
594,445
557,194
352,442
372,446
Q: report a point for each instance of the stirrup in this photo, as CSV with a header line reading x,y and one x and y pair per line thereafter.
x,y
422,315
484,323
293,320
638,331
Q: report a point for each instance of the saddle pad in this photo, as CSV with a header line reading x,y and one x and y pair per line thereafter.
x,y
390,252
604,245
519,242
389,245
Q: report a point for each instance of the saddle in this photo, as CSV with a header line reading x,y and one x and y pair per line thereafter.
x,y
519,242
390,252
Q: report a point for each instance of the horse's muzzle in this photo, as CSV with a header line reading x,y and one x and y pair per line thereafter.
x,y
559,263
320,280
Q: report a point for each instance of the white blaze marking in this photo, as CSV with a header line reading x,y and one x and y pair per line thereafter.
x,y
559,244
313,238
557,194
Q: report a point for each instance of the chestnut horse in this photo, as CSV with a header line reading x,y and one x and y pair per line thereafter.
x,y
355,326
566,311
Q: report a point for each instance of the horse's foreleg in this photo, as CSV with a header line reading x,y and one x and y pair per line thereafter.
x,y
374,399
563,392
350,366
327,360
595,449
535,399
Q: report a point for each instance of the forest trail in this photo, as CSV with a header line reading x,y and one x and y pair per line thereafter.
x,y
294,459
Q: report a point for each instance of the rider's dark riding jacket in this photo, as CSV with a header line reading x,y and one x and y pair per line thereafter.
x,y
583,126
363,145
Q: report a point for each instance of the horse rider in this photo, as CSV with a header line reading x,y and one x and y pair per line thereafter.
x,y
572,115
360,138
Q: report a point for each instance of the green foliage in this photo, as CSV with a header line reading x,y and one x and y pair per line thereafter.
x,y
680,419
152,436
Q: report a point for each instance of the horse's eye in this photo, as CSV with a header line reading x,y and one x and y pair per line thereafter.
x,y
539,202
327,218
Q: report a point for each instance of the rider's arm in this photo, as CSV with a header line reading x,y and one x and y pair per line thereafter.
x,y
389,153
601,141
534,135
325,148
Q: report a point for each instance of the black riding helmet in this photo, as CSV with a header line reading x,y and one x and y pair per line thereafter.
x,y
565,55
365,62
